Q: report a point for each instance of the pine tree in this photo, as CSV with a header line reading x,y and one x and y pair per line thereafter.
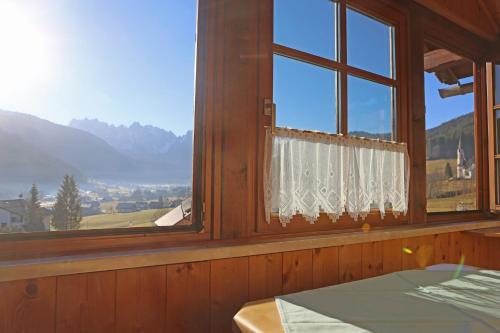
x,y
67,209
35,214
448,173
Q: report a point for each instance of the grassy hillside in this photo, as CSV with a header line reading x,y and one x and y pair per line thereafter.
x,y
143,218
23,164
446,194
468,201
83,151
442,141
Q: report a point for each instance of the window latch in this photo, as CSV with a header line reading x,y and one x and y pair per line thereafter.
x,y
270,111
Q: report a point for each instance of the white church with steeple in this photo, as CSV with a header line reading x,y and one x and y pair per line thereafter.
x,y
463,172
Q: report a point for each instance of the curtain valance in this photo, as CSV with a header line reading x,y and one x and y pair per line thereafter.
x,y
310,173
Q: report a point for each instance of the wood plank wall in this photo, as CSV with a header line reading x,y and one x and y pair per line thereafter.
x,y
204,296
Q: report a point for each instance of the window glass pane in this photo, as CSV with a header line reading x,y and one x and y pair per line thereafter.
x,y
100,91
368,44
306,25
450,142
369,107
497,182
305,95
497,85
497,131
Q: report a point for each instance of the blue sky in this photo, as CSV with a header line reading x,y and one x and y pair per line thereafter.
x,y
116,60
305,94
439,110
128,60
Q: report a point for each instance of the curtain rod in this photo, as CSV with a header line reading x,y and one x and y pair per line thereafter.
x,y
276,130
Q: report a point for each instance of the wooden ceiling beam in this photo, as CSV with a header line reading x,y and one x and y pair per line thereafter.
x,y
471,15
442,59
489,11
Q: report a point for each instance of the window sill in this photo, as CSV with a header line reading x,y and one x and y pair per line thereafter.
x,y
450,217
105,261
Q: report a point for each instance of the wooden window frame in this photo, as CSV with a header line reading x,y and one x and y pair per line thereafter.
x,y
492,131
382,12
42,244
342,68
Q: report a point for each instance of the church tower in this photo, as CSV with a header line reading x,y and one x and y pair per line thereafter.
x,y
461,161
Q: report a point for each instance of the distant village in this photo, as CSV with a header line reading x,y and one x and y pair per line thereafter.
x,y
101,199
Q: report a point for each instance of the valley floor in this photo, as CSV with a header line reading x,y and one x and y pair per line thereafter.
x,y
145,218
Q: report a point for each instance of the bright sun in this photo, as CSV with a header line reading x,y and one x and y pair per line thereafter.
x,y
24,50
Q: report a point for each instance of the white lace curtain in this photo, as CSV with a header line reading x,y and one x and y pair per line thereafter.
x,y
310,173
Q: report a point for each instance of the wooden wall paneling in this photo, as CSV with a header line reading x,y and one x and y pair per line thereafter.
x,y
325,266
28,306
392,252
188,301
441,248
372,259
480,251
494,253
265,275
422,252
454,247
239,116
141,299
71,303
350,263
480,248
101,292
228,291
466,248
488,248
297,271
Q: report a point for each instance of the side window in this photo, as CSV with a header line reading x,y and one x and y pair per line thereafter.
x,y
450,135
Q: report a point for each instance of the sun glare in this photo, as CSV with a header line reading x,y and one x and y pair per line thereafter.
x,y
24,50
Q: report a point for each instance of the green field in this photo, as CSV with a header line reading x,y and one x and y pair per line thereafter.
x,y
450,204
143,218
438,185
437,166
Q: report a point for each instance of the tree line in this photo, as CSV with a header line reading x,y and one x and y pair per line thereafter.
x,y
67,211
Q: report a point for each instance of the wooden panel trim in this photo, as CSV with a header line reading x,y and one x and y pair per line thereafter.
x,y
490,112
35,268
488,232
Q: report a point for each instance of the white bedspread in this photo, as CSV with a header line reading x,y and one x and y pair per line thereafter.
x,y
404,302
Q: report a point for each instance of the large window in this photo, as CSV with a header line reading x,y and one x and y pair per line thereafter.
x,y
334,69
96,114
450,135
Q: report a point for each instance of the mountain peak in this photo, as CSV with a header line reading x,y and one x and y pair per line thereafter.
x,y
135,140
